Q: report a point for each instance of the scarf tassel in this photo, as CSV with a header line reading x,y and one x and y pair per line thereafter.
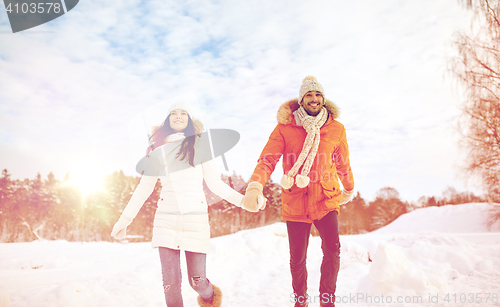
x,y
302,181
286,182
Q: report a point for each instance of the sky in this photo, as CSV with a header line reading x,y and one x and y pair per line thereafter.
x,y
79,94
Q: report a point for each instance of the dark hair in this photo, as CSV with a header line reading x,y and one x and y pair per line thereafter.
x,y
161,132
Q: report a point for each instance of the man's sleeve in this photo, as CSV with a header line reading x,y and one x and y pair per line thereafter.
x,y
343,164
269,157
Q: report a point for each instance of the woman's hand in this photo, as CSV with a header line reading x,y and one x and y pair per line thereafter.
x,y
261,202
120,229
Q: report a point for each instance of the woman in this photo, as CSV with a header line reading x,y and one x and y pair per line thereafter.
x,y
181,219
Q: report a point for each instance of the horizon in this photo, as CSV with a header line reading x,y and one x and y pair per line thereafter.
x,y
95,189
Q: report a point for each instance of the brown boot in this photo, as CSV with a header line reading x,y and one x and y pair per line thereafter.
x,y
214,301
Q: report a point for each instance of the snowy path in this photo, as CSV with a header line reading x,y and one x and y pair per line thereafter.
x,y
421,257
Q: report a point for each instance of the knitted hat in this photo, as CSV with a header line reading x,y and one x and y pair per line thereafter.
x,y
310,83
182,105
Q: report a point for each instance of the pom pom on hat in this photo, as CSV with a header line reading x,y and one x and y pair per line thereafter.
x,y
310,83
312,78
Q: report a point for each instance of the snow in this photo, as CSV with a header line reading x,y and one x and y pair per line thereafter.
x,y
438,256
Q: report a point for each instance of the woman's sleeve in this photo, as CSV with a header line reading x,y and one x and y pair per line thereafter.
x,y
219,187
141,194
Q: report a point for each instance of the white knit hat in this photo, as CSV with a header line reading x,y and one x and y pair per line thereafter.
x,y
310,83
182,105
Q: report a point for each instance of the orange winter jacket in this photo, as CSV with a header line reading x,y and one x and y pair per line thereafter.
x,y
323,194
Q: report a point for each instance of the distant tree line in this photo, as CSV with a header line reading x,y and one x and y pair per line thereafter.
x,y
51,209
56,210
359,216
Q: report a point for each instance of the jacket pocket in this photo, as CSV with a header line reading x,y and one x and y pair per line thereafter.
x,y
330,185
330,188
293,200
331,191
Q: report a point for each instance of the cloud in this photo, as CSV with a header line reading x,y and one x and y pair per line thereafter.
x,y
71,94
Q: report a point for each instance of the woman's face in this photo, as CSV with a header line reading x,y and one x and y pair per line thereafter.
x,y
178,120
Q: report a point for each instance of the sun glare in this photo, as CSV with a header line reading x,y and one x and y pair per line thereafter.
x,y
87,178
86,184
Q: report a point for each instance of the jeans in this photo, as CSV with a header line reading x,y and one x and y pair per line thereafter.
x,y
171,271
298,238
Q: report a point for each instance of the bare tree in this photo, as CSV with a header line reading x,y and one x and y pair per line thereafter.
x,y
386,207
477,66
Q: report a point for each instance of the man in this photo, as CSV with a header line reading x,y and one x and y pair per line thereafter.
x,y
315,155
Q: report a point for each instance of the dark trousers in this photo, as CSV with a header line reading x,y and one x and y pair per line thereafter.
x,y
298,238
171,271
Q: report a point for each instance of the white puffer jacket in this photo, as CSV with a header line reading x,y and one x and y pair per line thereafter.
x,y
181,219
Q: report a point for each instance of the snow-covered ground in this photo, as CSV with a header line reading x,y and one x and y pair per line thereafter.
x,y
434,256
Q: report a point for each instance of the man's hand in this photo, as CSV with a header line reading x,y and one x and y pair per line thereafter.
x,y
346,196
253,197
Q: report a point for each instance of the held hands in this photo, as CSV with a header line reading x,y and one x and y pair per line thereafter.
x,y
262,201
120,229
254,199
346,196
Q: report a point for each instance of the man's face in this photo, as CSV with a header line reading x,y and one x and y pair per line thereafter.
x,y
313,102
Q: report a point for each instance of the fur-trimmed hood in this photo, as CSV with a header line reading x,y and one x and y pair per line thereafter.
x,y
285,112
